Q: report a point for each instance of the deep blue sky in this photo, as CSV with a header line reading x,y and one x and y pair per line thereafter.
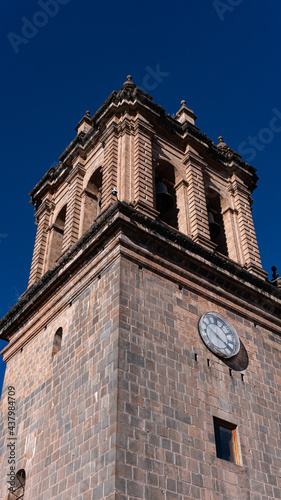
x,y
223,58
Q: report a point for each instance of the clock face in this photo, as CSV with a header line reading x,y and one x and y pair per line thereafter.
x,y
219,335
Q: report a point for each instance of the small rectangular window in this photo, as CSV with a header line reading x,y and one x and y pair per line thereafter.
x,y
226,441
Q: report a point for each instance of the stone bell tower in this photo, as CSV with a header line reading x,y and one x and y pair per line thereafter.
x,y
144,356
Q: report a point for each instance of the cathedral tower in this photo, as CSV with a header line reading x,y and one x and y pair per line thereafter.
x,y
143,360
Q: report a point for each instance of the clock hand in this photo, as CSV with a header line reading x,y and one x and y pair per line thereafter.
x,y
219,338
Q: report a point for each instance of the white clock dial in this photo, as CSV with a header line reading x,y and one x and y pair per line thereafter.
x,y
218,334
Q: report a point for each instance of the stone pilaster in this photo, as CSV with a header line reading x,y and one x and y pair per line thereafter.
x,y
181,189
231,226
54,245
232,234
73,212
109,172
144,180
39,255
197,206
251,255
126,156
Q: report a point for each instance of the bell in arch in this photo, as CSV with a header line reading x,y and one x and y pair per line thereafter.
x,y
164,200
215,228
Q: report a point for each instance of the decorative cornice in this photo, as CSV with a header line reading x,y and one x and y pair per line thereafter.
x,y
181,183
79,170
134,98
238,187
47,183
46,207
231,210
217,269
112,129
193,159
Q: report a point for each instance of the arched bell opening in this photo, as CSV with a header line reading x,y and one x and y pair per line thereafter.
x,y
165,194
215,219
57,236
94,190
93,199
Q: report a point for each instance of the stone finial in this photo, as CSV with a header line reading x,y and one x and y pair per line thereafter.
x,y
276,280
185,114
221,143
85,123
128,83
275,275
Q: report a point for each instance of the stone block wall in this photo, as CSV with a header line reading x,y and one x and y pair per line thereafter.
x,y
172,387
125,410
66,404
